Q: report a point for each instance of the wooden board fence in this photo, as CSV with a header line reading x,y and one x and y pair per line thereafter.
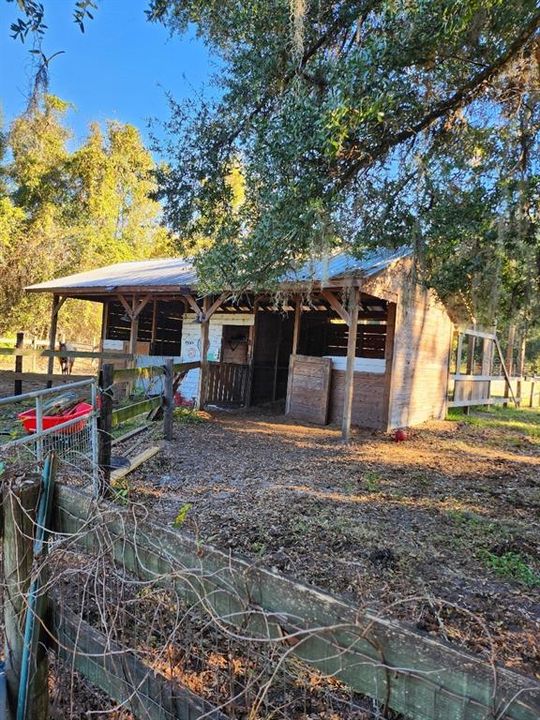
x,y
418,676
121,674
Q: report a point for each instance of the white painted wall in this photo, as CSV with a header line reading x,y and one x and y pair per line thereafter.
x,y
191,344
369,365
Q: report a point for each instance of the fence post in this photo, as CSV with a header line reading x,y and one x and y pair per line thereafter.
x,y
19,506
106,378
168,399
17,390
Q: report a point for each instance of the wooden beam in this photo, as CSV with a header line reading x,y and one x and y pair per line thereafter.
x,y
505,372
139,307
297,321
478,334
420,677
509,361
19,344
349,372
336,306
128,412
106,379
193,305
104,323
154,324
127,307
459,352
205,341
389,362
168,399
134,463
251,353
19,506
215,305
123,675
56,305
276,358
471,349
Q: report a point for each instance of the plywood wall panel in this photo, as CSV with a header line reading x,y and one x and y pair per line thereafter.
x,y
368,399
308,388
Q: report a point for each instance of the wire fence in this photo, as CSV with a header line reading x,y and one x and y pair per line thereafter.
x,y
63,420
148,622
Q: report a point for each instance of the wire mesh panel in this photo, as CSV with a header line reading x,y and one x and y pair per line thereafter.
x,y
61,419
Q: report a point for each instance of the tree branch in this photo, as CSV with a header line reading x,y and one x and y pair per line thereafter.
x,y
461,97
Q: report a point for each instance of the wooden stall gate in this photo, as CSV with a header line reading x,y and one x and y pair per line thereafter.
x,y
470,388
308,391
227,384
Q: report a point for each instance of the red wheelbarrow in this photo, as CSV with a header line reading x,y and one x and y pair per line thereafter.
x,y
80,410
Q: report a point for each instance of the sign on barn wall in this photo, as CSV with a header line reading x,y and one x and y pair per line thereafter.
x,y
308,390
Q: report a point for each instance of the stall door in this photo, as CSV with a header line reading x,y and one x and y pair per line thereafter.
x,y
308,391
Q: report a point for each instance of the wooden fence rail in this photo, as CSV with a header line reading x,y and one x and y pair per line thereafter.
x,y
121,674
422,678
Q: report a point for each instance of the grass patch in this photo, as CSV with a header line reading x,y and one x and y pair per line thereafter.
x,y
512,566
525,421
372,480
188,416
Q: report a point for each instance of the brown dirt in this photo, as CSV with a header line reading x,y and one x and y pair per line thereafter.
x,y
405,525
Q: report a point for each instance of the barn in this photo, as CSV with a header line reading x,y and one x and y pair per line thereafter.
x,y
342,340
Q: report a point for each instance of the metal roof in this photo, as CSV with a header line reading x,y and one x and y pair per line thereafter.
x,y
342,264
162,274
176,274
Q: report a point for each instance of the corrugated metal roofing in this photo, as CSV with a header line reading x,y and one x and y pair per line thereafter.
x,y
158,273
178,273
343,264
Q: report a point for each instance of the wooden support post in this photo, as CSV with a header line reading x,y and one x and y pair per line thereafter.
x,y
133,330
521,355
154,326
297,321
276,359
349,372
508,388
391,320
471,347
106,378
104,321
459,352
56,305
531,398
205,341
19,344
19,506
168,399
509,361
251,355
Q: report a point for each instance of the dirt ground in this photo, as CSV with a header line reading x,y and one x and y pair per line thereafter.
x,y
440,531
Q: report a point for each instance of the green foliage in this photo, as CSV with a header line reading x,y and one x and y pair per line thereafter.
x,y
62,212
380,124
514,421
372,480
512,566
181,516
188,416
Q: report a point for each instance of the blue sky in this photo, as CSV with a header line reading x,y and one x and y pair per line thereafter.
x,y
119,69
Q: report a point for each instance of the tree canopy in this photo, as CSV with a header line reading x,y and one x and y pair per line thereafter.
x,y
62,211
363,123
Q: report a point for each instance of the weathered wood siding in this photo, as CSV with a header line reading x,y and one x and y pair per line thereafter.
x,y
368,408
419,377
309,387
